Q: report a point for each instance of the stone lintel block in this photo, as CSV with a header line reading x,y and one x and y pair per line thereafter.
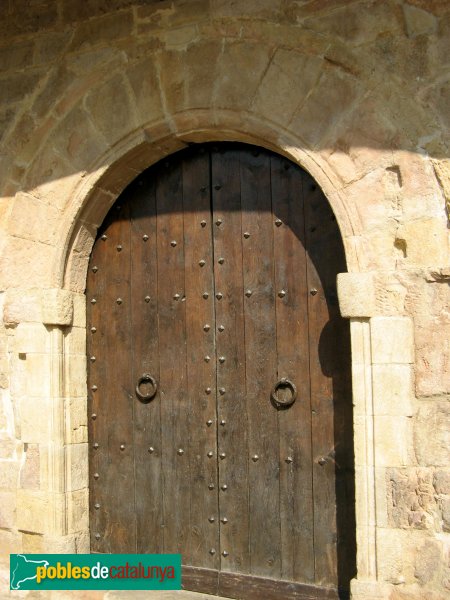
x,y
57,307
356,293
49,306
393,390
392,340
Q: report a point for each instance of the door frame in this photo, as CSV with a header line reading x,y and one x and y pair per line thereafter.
x,y
61,309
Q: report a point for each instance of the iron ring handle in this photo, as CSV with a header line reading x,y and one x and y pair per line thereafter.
x,y
284,382
146,378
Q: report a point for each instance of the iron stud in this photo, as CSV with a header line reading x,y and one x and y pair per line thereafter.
x,y
223,422
219,222
119,300
221,359
278,222
180,451
210,454
104,237
96,475
94,388
95,445
97,536
322,461
93,359
217,187
147,299
313,291
248,293
97,505
221,261
207,358
255,457
203,189
222,455
208,390
224,520
205,295
212,551
209,422
93,416
119,248
94,269
93,329
221,327
224,487
211,519
224,553
93,301
211,486
246,235
176,296
173,243
219,296
151,450
282,293
122,446
289,459
203,223
206,327
222,391
202,262
145,237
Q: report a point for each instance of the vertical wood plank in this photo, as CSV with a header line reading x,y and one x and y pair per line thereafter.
x,y
261,363
175,418
325,260
231,385
145,344
114,456
296,507
201,371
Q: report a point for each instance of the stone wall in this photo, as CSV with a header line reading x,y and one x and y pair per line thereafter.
x,y
357,92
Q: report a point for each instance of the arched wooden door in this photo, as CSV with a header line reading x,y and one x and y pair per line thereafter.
x,y
219,379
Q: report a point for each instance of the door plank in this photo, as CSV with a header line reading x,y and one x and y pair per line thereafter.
x,y
231,385
201,375
145,344
296,507
261,364
114,460
175,418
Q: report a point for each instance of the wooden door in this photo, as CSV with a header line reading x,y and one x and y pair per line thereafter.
x,y
219,378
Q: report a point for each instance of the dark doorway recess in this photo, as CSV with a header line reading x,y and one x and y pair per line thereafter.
x,y
219,377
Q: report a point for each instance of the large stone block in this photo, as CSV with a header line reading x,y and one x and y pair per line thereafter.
x,y
293,75
8,509
392,340
57,307
34,419
77,466
31,338
112,108
393,441
145,84
102,29
76,420
78,511
432,433
411,499
393,390
236,87
30,472
356,293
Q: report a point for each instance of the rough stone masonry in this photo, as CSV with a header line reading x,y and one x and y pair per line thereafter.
x,y
355,91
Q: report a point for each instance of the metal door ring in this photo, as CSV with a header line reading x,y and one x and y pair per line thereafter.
x,y
146,378
283,383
